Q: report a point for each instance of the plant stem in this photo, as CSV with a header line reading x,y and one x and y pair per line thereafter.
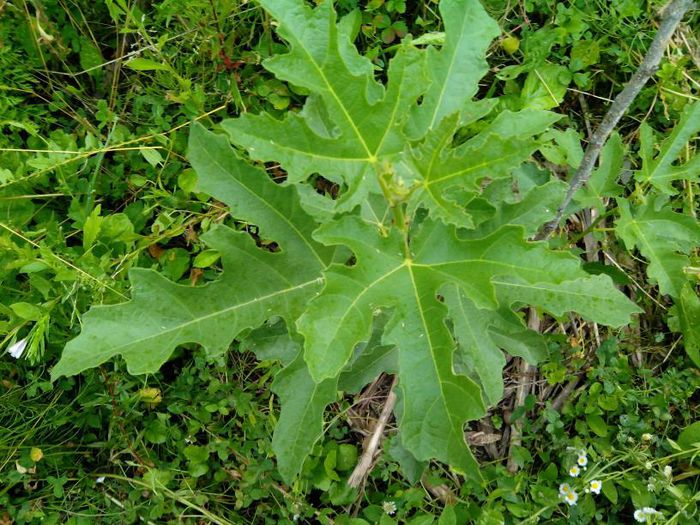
x,y
673,13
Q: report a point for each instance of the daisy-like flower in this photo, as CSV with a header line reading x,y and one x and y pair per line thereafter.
x,y
582,461
564,489
571,498
17,349
574,471
640,516
595,485
389,507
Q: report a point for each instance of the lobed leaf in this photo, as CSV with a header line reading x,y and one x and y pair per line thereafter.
x,y
497,270
660,171
162,315
441,170
662,236
603,181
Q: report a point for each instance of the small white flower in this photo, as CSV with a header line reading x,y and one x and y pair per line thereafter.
x,y
668,471
564,489
651,487
389,507
641,515
574,471
17,349
101,479
571,498
595,486
582,461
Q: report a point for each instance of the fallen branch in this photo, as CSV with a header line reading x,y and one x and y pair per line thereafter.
x,y
672,15
364,465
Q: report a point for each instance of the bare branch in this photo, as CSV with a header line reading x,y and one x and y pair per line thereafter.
x,y
672,15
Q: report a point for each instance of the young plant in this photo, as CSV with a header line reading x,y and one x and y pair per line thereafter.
x,y
418,267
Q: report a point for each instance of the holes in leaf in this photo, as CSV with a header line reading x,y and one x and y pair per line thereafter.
x,y
276,173
254,232
326,187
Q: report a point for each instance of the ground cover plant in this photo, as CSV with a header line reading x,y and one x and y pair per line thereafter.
x,y
358,245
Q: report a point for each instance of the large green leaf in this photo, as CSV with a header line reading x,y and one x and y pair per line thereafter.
x,y
496,270
449,177
482,333
455,70
162,315
662,236
350,122
660,171
351,126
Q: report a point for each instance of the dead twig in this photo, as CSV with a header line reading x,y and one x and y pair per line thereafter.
x,y
364,465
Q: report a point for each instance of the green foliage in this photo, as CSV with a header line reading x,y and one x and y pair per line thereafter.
x,y
662,236
659,170
97,180
355,131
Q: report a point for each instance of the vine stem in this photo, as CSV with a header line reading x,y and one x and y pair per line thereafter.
x,y
672,15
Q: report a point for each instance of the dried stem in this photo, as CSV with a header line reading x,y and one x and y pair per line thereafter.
x,y
673,13
525,376
364,465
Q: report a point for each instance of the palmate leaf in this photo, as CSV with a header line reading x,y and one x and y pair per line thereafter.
x,y
663,237
660,170
441,170
411,284
162,315
491,272
351,125
350,121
